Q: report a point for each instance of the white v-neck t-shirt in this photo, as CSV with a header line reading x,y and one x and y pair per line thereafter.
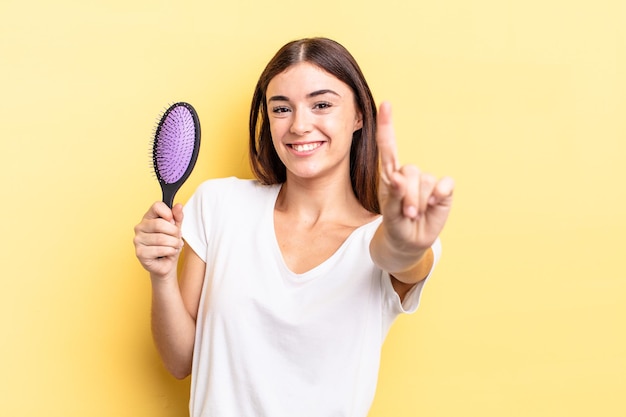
x,y
273,343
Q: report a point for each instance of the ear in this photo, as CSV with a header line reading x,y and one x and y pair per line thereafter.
x,y
358,121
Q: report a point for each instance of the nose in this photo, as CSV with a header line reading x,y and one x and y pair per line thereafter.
x,y
301,122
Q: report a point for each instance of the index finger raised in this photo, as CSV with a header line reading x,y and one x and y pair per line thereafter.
x,y
386,140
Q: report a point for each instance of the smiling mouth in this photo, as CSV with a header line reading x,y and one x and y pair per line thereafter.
x,y
305,147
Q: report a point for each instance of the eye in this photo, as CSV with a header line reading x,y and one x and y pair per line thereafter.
x,y
322,105
280,109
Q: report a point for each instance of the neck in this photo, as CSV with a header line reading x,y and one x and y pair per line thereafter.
x,y
317,199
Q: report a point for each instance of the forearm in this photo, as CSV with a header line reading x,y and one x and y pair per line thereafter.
x,y
173,328
407,264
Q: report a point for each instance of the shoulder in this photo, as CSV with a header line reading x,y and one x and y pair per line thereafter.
x,y
222,184
221,201
226,185
232,189
368,229
235,183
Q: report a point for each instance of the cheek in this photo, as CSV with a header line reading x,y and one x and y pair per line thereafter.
x,y
347,127
277,133
277,128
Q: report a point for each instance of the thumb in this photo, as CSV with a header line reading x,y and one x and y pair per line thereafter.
x,y
177,212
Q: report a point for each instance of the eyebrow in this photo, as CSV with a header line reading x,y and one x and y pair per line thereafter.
x,y
310,95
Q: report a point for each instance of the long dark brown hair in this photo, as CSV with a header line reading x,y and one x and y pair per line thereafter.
x,y
336,60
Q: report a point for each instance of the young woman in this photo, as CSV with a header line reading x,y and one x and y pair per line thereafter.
x,y
289,283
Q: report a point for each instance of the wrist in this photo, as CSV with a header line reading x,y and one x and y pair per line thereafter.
x,y
408,264
164,281
392,256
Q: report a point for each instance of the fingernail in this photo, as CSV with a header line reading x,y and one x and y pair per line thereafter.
x,y
411,211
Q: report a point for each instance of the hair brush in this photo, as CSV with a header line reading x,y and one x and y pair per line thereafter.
x,y
175,148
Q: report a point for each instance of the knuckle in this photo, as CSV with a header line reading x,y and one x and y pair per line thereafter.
x,y
410,170
140,253
160,240
428,179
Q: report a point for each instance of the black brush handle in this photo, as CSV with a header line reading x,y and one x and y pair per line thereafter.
x,y
169,192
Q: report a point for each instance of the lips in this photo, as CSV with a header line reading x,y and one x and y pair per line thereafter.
x,y
305,147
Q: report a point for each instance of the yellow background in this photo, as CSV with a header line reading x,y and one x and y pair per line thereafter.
x,y
522,101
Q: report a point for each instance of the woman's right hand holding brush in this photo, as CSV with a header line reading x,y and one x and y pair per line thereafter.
x,y
158,243
158,240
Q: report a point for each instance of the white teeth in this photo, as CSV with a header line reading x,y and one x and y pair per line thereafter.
x,y
306,147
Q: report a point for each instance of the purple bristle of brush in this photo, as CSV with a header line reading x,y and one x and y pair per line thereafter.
x,y
175,148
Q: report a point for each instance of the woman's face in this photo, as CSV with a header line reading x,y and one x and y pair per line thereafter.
x,y
312,117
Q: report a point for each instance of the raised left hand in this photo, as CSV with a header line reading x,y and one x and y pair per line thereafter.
x,y
414,204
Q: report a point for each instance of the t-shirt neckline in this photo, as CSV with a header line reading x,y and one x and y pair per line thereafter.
x,y
325,264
